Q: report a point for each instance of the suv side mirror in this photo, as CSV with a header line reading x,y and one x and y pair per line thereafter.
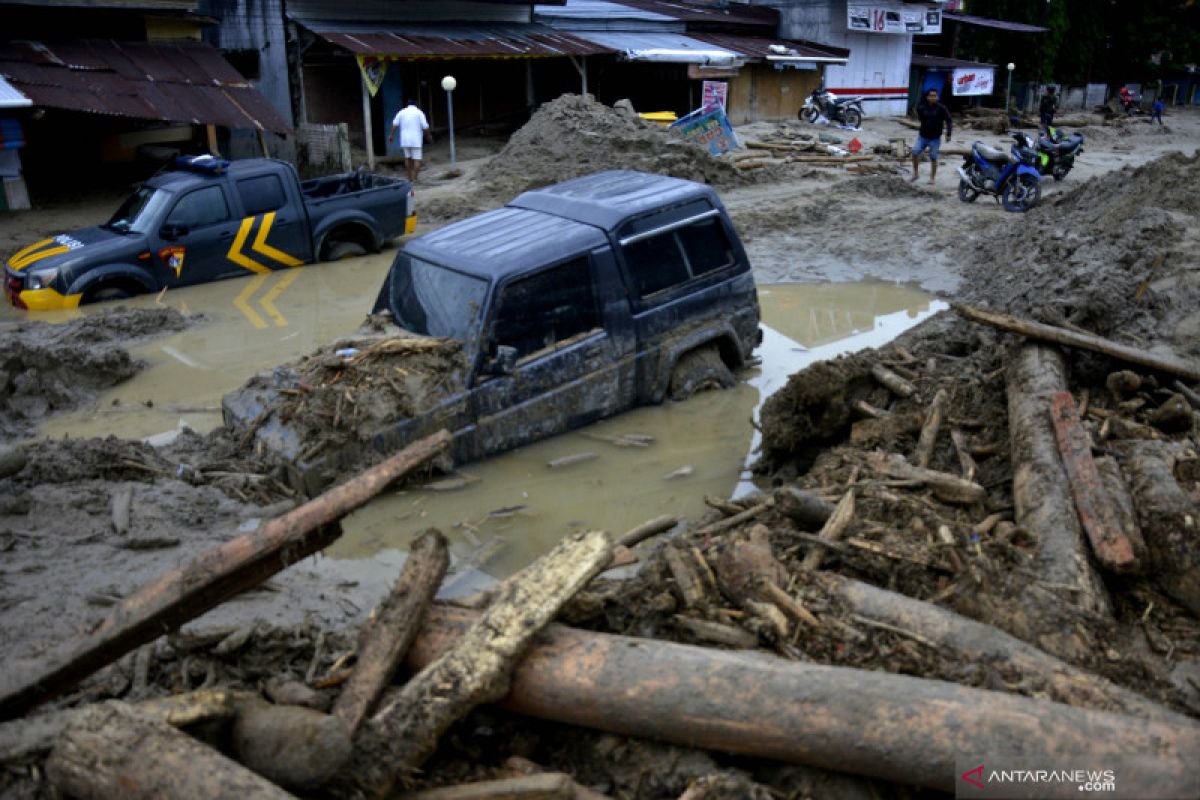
x,y
505,360
171,231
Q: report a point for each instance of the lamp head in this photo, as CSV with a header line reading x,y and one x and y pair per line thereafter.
x,y
448,83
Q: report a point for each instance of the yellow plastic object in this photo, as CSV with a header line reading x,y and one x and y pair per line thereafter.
x,y
410,224
661,117
48,299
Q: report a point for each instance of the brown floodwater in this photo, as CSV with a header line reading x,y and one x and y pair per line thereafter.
x,y
502,513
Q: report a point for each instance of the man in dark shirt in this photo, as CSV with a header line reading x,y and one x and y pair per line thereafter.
x,y
933,115
1047,107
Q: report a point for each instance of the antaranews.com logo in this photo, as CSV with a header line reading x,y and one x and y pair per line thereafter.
x,y
1024,778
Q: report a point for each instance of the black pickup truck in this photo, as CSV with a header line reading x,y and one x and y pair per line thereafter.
x,y
572,303
208,219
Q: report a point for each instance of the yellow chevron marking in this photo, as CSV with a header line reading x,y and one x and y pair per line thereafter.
x,y
268,300
245,294
235,255
21,263
24,251
260,243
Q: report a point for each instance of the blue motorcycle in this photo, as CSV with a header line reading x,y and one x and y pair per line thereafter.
x,y
1012,178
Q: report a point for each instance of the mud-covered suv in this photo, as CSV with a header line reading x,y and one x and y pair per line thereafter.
x,y
573,302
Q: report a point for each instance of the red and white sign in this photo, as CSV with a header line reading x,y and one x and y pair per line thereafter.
x,y
893,18
714,92
972,81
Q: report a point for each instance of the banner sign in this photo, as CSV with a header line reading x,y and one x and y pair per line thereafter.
x,y
373,69
708,126
972,80
893,19
714,92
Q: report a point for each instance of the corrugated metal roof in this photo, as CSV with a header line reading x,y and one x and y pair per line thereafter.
x,y
453,41
659,46
10,97
999,24
759,48
598,13
920,60
167,81
731,14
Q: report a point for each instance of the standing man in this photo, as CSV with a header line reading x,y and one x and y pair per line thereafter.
x,y
414,129
1156,110
933,116
1047,107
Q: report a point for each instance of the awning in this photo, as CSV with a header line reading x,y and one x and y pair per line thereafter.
x,y
187,82
778,51
10,97
663,47
412,41
999,24
940,62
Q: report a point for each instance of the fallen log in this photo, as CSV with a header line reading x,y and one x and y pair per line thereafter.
x,y
986,644
736,520
833,530
1041,491
802,507
892,381
477,669
929,431
293,746
646,530
904,729
945,486
209,579
111,751
1115,548
390,629
1096,344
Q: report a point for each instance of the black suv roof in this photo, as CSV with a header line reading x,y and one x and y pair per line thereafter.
x,y
606,199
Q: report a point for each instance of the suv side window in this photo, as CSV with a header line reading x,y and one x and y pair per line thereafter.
x,y
202,207
678,255
543,310
264,193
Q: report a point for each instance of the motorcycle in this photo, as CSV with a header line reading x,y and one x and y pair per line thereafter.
x,y
844,110
1056,153
1012,178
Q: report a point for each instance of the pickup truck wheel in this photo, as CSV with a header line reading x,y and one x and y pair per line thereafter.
x,y
106,293
340,250
697,371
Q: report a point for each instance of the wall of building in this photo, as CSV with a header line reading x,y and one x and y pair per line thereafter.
x,y
761,92
255,25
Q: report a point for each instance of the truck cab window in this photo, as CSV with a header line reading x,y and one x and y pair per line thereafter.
x,y
706,246
261,194
202,207
542,310
678,255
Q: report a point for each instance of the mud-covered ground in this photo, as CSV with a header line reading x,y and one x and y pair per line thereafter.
x,y
1111,250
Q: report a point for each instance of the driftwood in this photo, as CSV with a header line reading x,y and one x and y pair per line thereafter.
x,y
904,729
947,487
405,731
1041,492
717,632
804,508
724,506
646,530
965,461
111,751
834,529
1096,344
539,786
211,578
1115,548
293,746
985,644
736,519
892,381
687,577
929,431
523,766
1188,393
391,627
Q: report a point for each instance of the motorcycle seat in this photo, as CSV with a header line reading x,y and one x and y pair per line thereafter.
x,y
990,153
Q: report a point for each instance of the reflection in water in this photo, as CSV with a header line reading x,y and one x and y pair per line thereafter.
x,y
509,509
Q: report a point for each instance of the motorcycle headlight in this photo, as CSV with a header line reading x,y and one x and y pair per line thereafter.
x,y
40,279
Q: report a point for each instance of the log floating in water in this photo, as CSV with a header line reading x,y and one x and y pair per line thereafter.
x,y
211,578
904,729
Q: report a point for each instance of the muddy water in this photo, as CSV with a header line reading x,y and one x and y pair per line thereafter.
x,y
501,513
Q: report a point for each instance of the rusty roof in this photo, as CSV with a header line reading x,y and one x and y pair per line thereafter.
x,y
408,41
730,14
167,81
759,48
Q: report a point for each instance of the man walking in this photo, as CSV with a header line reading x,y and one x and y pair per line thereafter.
x,y
1047,107
414,129
932,116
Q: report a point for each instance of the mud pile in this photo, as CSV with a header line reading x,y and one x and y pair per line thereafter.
x,y
575,135
50,368
1117,255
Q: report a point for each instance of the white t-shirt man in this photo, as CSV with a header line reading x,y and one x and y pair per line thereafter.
x,y
412,124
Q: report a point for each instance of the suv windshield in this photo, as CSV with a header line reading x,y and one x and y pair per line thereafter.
x,y
139,211
436,301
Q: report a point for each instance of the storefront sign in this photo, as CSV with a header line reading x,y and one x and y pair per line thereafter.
x,y
893,19
714,92
701,72
972,80
708,126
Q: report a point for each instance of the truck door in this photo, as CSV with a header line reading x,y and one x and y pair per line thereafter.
x,y
194,237
273,232
566,369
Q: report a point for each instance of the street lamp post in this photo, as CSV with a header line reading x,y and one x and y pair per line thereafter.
x,y
1008,90
449,84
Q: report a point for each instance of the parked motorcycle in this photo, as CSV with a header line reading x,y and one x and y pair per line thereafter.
x,y
843,110
1012,178
1056,152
